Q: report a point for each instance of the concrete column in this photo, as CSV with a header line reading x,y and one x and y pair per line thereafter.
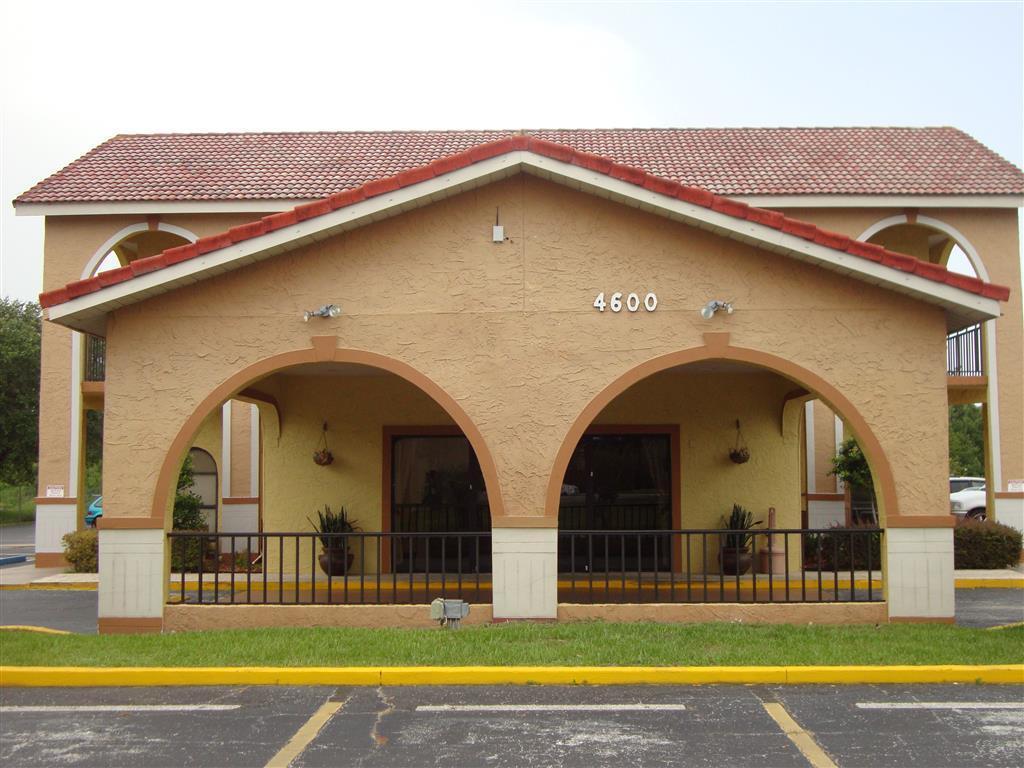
x,y
919,573
525,573
54,519
132,580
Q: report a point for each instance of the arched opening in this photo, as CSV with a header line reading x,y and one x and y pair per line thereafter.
x,y
204,485
369,436
647,480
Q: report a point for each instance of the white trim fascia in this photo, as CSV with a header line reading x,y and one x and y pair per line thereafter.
x,y
996,448
225,451
882,201
254,451
840,485
809,447
129,207
121,207
87,312
75,446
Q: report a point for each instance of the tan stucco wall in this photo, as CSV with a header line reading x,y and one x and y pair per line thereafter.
x,y
510,333
824,448
993,233
69,243
241,451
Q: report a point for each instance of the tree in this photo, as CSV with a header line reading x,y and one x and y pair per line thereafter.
x,y
20,332
966,441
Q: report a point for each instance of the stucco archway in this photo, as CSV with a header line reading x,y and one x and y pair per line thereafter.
x,y
717,347
324,350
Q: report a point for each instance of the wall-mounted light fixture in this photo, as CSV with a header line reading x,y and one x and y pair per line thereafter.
x,y
327,310
711,307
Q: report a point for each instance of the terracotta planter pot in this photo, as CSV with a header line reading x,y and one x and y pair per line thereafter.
x,y
336,562
735,562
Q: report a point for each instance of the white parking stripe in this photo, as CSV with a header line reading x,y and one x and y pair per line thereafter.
x,y
127,708
941,705
550,707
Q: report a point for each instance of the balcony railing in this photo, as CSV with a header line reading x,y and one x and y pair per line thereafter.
x,y
700,566
95,358
597,566
963,352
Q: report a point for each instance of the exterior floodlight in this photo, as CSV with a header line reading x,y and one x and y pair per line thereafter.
x,y
713,306
327,310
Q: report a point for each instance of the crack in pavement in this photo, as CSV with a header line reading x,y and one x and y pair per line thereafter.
x,y
379,739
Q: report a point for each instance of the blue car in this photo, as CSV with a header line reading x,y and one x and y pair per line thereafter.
x,y
94,511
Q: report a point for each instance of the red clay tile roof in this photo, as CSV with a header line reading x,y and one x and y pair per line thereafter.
x,y
726,161
560,152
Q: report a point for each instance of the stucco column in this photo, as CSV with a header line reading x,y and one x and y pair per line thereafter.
x,y
525,573
132,579
919,573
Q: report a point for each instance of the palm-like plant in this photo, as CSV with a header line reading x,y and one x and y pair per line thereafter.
x,y
331,522
741,521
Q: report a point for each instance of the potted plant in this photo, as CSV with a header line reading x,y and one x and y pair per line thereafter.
x,y
734,557
336,558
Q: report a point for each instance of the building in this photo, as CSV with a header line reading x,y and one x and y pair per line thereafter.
x,y
554,362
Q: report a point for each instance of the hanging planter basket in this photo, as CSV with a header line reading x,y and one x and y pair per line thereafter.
x,y
322,456
739,454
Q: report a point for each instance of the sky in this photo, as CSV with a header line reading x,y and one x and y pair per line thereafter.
x,y
75,73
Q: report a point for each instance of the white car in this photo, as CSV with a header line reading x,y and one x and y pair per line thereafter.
x,y
960,483
969,503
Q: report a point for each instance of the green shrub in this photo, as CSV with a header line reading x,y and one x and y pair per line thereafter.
x,y
82,550
985,544
188,516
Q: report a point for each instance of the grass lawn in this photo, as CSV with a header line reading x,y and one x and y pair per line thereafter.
x,y
584,643
17,504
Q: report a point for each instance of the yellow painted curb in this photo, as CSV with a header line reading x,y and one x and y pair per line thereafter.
x,y
1013,625
989,583
173,676
56,585
33,628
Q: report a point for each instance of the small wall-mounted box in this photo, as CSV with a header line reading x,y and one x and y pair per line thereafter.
x,y
498,233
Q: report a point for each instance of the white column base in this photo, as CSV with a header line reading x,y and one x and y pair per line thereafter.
x,y
525,573
919,573
239,518
131,573
53,521
1010,512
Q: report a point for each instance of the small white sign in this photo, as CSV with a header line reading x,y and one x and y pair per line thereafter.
x,y
1015,486
55,491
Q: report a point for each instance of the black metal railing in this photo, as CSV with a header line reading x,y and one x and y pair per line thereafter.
x,y
364,568
964,352
701,566
95,358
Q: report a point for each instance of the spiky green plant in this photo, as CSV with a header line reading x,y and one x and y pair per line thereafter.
x,y
331,522
741,520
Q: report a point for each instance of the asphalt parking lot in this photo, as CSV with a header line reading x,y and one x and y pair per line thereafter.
x,y
902,726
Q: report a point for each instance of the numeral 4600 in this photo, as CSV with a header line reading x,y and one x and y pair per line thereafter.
x,y
632,302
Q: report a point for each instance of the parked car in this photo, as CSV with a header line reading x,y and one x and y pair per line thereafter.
x,y
962,483
94,511
969,503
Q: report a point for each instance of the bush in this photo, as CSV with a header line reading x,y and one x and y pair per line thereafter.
x,y
82,550
985,544
839,547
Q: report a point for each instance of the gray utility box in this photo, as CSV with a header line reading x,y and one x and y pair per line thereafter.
x,y
449,612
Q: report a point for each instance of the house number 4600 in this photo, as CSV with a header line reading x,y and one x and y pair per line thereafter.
x,y
631,302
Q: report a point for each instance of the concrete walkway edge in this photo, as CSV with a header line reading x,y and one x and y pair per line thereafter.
x,y
21,677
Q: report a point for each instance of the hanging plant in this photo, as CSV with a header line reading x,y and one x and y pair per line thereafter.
x,y
322,455
739,454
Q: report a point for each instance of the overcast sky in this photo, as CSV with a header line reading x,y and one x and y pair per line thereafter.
x,y
74,74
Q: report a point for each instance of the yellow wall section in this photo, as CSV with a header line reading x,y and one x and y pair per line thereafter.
x,y
241,450
356,408
824,448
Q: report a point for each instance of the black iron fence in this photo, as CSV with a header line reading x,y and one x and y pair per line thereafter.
x,y
343,568
964,353
597,566
95,358
701,566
